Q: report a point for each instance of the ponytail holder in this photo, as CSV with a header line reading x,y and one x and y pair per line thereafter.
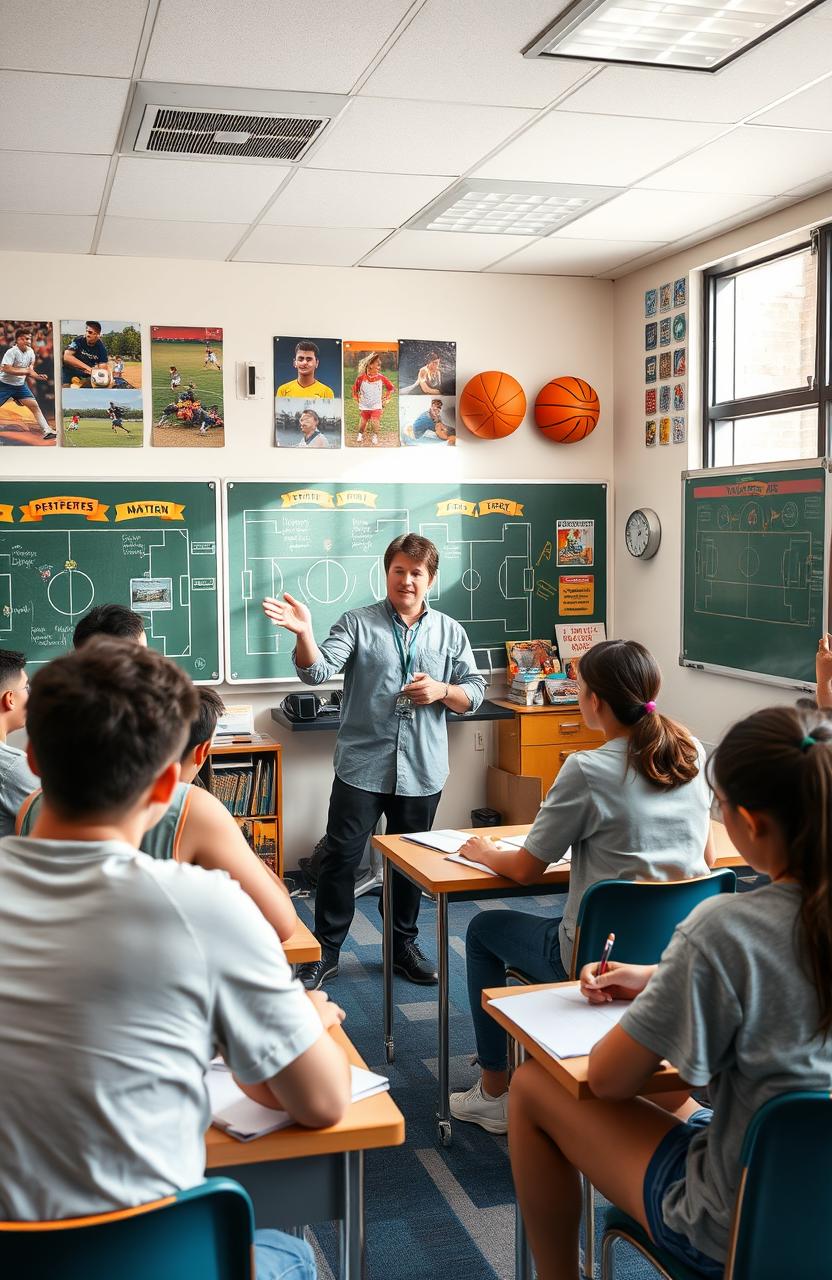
x,y
649,707
808,742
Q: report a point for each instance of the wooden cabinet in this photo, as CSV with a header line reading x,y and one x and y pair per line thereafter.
x,y
246,778
539,739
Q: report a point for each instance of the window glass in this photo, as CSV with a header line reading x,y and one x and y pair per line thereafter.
x,y
772,437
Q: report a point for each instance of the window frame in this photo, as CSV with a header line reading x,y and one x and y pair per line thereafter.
x,y
817,396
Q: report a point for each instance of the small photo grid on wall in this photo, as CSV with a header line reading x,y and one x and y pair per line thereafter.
x,y
679,332
427,392
101,374
665,373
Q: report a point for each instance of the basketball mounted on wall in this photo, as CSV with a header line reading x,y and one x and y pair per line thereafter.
x,y
567,409
493,404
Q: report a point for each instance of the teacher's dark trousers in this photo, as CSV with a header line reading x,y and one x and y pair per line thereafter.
x,y
353,815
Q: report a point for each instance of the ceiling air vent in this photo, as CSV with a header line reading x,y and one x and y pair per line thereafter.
x,y
174,131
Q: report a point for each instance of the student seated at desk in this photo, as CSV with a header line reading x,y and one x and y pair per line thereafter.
x,y
635,808
741,1001
16,778
121,976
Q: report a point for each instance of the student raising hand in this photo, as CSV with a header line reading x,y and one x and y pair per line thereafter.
x,y
618,982
823,671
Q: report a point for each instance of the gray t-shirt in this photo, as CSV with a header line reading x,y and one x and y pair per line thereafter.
x,y
620,826
120,978
731,1006
16,782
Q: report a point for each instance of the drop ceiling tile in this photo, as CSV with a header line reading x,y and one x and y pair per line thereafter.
x,y
334,198
269,44
659,215
786,61
810,109
560,256
436,57
192,190
383,135
751,159
139,238
74,113
56,36
444,250
566,147
312,246
46,232
42,182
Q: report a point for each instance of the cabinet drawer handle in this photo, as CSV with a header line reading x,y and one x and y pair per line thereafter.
x,y
569,726
565,754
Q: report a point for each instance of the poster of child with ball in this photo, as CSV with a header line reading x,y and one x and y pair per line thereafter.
x,y
101,375
27,383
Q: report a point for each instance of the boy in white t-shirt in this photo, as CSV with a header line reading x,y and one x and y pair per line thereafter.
x,y
16,368
121,976
371,391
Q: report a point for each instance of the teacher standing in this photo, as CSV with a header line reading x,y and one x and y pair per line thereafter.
x,y
404,664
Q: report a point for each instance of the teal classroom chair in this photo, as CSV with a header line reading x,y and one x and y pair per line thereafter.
x,y
781,1223
205,1232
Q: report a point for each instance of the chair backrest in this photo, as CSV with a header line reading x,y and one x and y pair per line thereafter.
x,y
641,914
783,1208
206,1231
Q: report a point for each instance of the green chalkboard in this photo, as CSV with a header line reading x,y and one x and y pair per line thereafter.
x,y
66,545
515,558
754,576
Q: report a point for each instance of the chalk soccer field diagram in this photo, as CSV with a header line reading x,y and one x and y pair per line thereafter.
x,y
287,551
42,574
749,570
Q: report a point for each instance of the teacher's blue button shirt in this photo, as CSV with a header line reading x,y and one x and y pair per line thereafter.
x,y
378,750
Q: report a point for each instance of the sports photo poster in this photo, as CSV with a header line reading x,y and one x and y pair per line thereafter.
x,y
27,383
371,383
101,355
186,364
308,409
427,392
95,420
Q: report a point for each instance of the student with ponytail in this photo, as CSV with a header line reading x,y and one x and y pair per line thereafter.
x,y
636,808
741,1001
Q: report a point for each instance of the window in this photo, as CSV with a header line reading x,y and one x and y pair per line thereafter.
x,y
767,345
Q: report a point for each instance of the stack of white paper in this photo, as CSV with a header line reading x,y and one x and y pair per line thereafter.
x,y
561,1020
500,844
442,841
245,1119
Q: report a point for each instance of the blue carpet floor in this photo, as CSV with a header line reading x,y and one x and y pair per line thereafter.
x,y
431,1211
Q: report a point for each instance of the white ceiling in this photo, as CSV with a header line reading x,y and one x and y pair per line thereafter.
x,y
433,90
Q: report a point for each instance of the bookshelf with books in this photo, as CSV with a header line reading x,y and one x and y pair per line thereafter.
x,y
245,776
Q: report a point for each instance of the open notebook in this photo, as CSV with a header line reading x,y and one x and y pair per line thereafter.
x,y
450,842
561,1020
239,1116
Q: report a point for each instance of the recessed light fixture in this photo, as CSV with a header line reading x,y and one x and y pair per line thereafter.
x,y
486,206
690,35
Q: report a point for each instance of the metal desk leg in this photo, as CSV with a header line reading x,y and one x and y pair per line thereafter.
x,y
522,1255
387,959
443,1115
352,1223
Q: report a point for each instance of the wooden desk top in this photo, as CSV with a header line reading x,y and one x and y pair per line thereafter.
x,y
433,872
374,1122
562,708
303,946
571,1073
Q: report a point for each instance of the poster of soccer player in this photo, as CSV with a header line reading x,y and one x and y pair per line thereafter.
x,y
371,380
186,387
308,409
427,392
101,355
27,383
91,420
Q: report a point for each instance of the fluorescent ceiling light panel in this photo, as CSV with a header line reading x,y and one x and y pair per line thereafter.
x,y
692,35
486,206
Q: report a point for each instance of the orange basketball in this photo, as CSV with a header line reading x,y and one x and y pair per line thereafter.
x,y
567,409
492,404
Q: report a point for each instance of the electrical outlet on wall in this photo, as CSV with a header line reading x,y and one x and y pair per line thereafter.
x,y
479,740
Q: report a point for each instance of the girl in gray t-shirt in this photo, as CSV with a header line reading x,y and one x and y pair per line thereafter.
x,y
741,1001
636,808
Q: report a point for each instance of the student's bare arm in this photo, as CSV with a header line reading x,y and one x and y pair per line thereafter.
x,y
710,846
269,1094
212,839
619,1067
315,1089
514,864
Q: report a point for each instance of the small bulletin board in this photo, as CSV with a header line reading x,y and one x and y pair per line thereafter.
x,y
755,548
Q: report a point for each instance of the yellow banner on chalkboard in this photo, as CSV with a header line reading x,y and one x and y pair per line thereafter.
x,y
90,508
456,507
141,510
6,513
315,497
501,507
356,498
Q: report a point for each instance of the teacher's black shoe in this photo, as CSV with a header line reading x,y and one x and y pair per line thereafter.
x,y
316,972
412,963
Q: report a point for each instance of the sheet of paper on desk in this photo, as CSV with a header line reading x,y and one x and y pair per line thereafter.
x,y
561,1020
501,844
442,841
245,1119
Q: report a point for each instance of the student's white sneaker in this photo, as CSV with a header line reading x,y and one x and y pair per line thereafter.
x,y
359,439
475,1107
375,439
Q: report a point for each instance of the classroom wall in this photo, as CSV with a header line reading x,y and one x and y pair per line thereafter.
x,y
648,595
533,328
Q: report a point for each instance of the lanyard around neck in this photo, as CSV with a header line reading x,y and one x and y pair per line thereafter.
x,y
406,657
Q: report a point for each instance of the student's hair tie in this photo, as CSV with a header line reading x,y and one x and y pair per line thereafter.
x,y
649,707
808,742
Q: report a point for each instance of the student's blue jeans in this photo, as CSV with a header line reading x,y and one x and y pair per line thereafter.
x,y
500,939
279,1256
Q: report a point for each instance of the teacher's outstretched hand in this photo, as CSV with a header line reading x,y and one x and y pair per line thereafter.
x,y
289,613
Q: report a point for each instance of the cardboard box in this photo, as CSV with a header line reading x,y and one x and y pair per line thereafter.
x,y
514,795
